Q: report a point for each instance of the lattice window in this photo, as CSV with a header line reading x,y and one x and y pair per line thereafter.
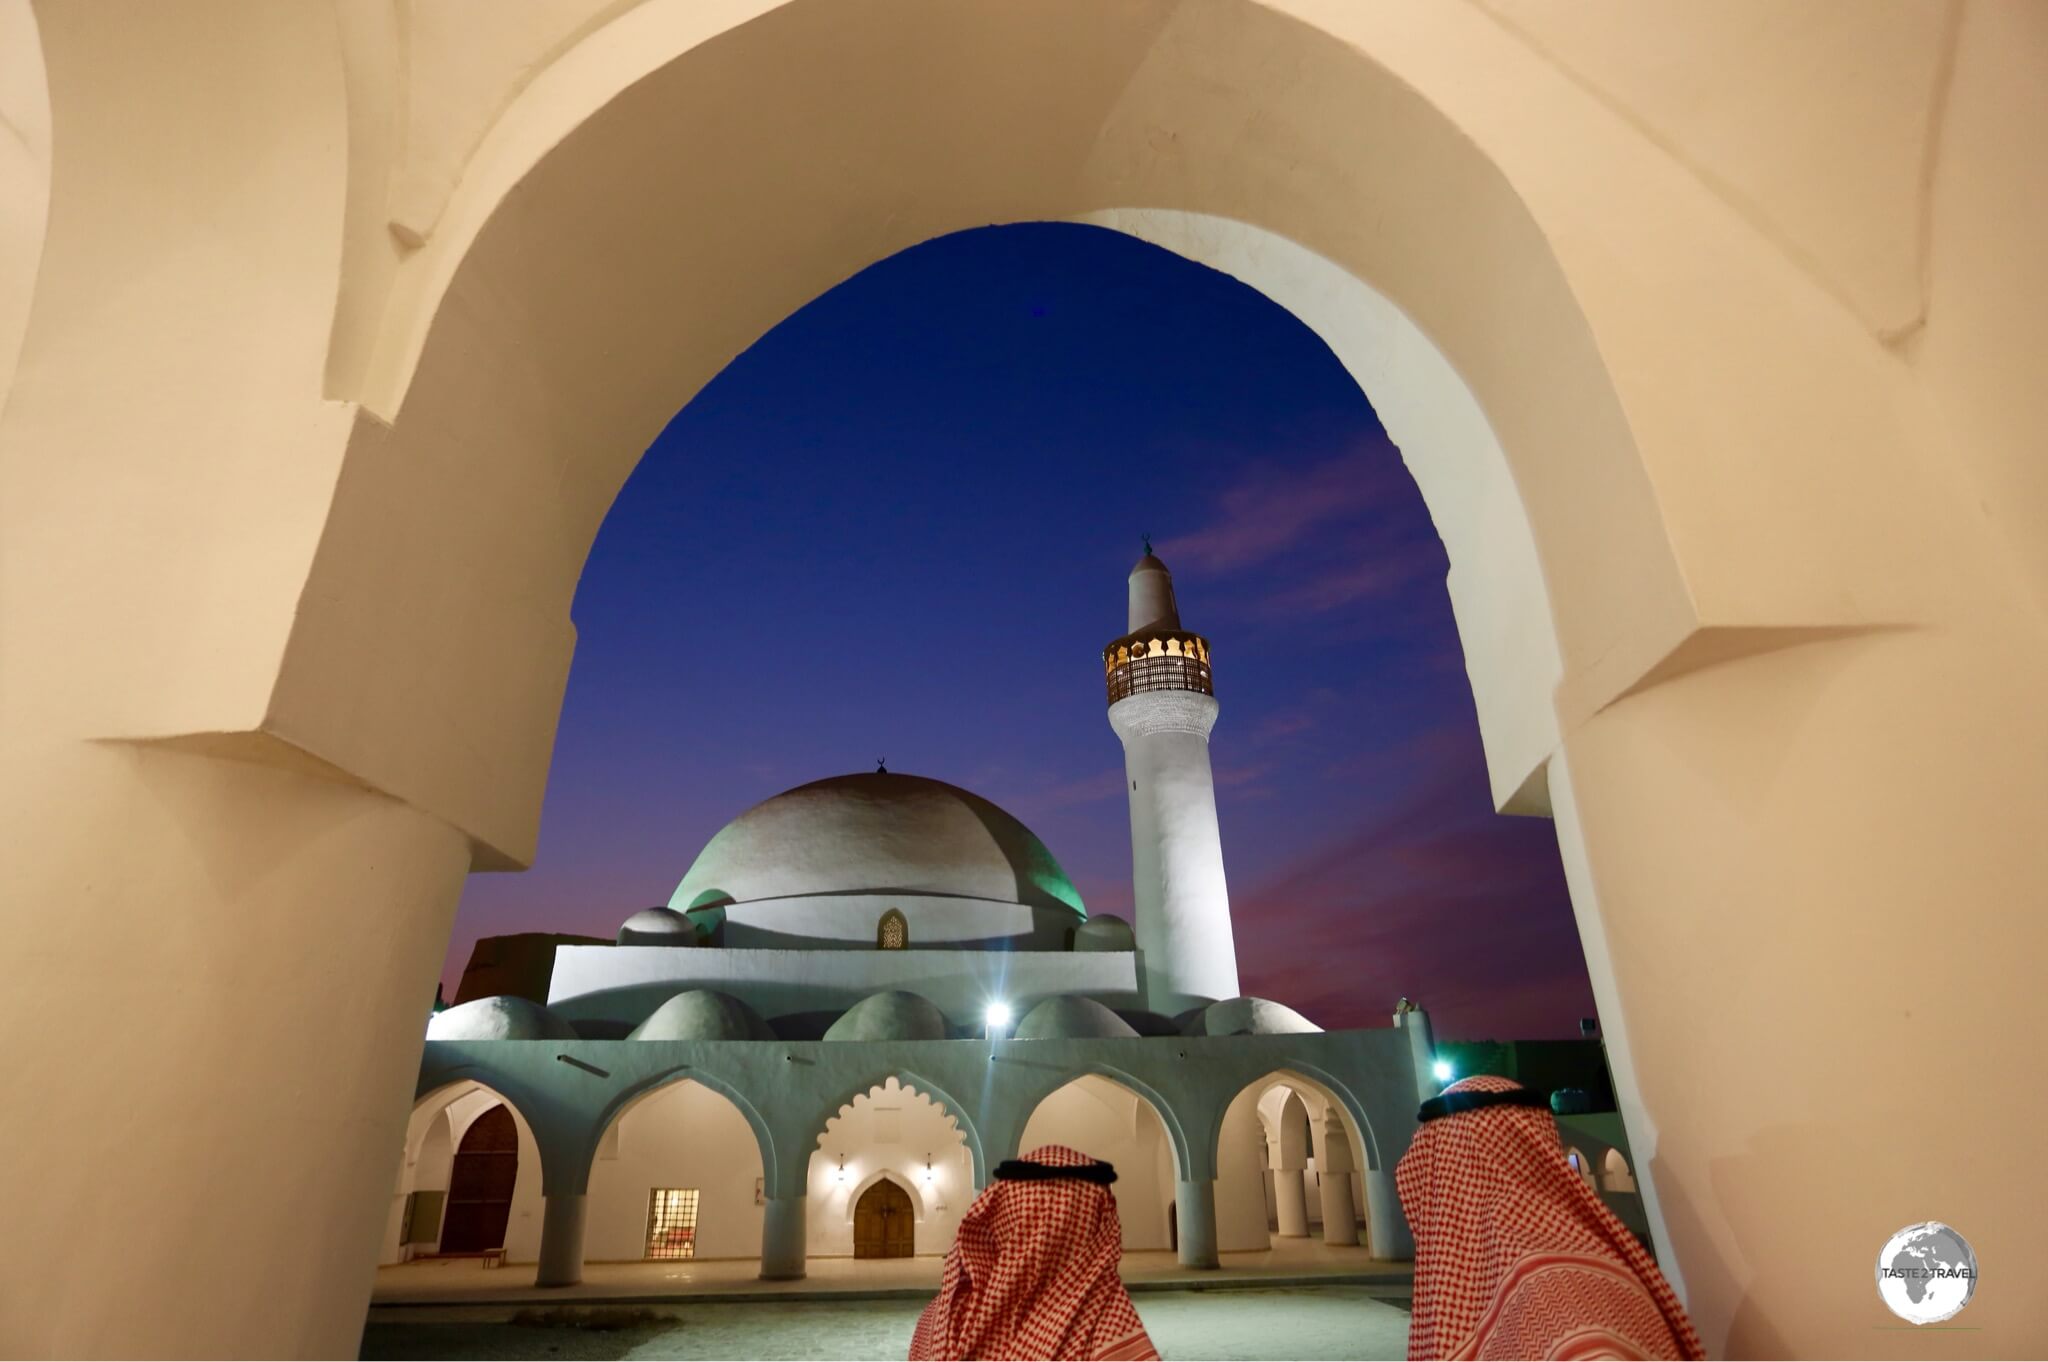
x,y
893,932
672,1222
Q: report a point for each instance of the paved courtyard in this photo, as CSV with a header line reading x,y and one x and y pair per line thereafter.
x,y
1337,1321
1289,1262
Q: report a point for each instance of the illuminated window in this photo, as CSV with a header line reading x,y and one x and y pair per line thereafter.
x,y
672,1222
893,932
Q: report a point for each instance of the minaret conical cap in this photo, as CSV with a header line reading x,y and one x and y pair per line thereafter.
x,y
1152,605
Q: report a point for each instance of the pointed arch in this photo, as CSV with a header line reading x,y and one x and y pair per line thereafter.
x,y
764,1138
958,1111
886,1175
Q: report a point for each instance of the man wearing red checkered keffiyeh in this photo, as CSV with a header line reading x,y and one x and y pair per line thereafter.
x,y
1515,1256
1032,1271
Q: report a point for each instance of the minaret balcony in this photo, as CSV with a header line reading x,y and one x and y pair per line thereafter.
x,y
1157,660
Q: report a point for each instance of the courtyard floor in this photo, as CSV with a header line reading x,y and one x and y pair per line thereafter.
x,y
410,1287
1186,1322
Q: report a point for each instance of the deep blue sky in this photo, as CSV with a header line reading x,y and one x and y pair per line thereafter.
x,y
899,526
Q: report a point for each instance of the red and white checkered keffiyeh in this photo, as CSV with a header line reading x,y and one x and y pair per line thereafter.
x,y
1515,1256
1033,1274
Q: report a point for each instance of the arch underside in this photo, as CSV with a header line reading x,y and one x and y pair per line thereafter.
x,y
545,386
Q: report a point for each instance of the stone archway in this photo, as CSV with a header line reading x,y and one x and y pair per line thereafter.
x,y
683,1136
470,1172
1111,1120
1321,1175
235,693
903,1131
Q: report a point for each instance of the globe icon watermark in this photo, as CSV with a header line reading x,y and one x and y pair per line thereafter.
x,y
1926,1273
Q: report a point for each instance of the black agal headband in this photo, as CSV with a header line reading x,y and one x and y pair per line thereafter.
x,y
1451,1103
1021,1170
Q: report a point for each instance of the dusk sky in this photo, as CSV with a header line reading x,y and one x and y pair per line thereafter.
x,y
899,526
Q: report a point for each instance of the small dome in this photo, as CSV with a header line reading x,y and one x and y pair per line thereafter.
x,y
890,1016
1105,932
1070,1017
500,1018
1248,1017
657,927
703,1014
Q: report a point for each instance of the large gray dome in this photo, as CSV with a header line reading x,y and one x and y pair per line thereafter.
x,y
876,833
500,1018
890,1016
703,1014
1071,1017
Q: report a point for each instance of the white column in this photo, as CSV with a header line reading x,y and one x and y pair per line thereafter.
x,y
561,1240
1290,1203
784,1236
1334,1169
1182,900
1195,1221
1340,1220
1386,1227
243,958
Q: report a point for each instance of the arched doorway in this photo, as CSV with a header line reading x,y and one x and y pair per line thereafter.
x,y
884,1222
480,1185
465,1144
1293,1164
893,1135
1316,100
676,1174
1106,1120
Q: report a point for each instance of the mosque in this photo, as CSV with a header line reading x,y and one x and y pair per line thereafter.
x,y
868,990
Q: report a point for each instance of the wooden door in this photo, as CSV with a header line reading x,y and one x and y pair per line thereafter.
x,y
480,1184
884,1226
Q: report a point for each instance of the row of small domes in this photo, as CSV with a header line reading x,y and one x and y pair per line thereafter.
x,y
707,1014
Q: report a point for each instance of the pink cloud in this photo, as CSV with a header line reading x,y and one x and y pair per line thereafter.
x,y
1066,794
1438,899
1377,577
1270,511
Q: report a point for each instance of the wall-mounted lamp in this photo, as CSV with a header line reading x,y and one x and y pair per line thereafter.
x,y
839,1175
1442,1069
998,1019
927,1170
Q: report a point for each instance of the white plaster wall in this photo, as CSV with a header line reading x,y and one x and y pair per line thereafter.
x,y
1105,1120
24,175
682,1135
889,1130
425,1165
626,983
1987,330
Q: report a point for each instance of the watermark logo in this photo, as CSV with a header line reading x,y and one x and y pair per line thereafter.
x,y
1926,1273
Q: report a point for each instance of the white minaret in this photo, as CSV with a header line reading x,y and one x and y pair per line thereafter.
x,y
1163,704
